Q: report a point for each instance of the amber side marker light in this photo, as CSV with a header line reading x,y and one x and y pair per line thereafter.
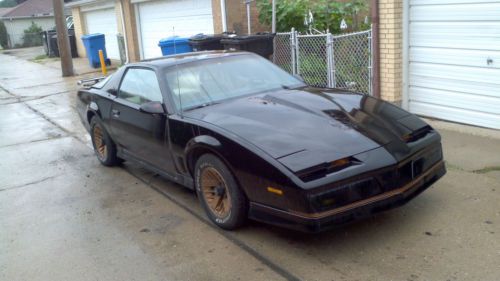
x,y
275,190
340,163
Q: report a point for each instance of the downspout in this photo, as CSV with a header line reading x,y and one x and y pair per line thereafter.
x,y
406,26
124,33
375,48
223,15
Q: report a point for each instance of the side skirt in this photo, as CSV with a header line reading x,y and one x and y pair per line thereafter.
x,y
177,178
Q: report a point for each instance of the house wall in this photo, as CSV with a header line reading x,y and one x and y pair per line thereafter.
x,y
79,24
15,27
391,50
237,17
131,34
236,21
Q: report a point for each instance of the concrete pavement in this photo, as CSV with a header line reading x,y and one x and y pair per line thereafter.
x,y
63,216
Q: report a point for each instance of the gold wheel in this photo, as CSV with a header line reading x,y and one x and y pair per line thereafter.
x,y
100,144
215,192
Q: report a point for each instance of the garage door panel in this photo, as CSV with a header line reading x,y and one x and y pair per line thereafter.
x,y
484,89
464,57
456,35
445,2
160,19
104,21
465,101
463,12
459,73
454,60
456,115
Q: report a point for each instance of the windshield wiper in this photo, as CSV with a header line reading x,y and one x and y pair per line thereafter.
x,y
201,106
294,87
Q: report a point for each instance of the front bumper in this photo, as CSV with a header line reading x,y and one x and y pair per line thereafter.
x,y
315,222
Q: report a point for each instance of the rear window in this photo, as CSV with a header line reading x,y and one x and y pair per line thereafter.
x,y
101,83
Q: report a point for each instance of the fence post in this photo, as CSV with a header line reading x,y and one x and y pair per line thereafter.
x,y
297,51
370,62
292,51
330,58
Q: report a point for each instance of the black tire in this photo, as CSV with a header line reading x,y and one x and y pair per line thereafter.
x,y
104,147
210,170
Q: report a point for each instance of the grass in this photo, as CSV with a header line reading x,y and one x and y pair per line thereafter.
x,y
40,57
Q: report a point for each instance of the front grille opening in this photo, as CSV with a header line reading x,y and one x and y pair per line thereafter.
x,y
345,194
418,134
325,169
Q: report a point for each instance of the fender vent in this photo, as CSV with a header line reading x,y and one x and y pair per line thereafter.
x,y
418,134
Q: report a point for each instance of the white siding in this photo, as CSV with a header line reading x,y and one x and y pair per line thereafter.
x,y
104,21
451,42
15,27
157,20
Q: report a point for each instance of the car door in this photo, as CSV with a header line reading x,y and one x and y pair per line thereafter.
x,y
141,135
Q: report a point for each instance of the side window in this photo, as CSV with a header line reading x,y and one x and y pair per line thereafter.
x,y
140,86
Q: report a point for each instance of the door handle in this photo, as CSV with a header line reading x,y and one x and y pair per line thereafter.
x,y
115,113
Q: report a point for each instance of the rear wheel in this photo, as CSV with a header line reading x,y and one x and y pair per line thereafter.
x,y
219,194
104,147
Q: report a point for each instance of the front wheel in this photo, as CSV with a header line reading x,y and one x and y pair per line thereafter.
x,y
221,197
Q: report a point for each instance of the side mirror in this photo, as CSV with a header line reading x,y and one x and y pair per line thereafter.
x,y
152,107
113,92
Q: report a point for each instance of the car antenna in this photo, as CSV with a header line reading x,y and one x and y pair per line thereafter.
x,y
177,76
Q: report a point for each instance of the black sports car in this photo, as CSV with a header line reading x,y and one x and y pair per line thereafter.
x,y
256,142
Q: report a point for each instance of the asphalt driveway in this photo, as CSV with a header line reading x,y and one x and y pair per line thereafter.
x,y
63,216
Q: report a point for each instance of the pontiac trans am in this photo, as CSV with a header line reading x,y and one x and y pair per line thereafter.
x,y
256,142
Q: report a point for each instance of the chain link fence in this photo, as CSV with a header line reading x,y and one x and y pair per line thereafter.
x,y
324,60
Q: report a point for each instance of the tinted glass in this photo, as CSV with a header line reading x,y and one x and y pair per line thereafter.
x,y
101,83
214,80
140,86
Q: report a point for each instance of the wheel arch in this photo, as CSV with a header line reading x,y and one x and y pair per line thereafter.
x,y
198,146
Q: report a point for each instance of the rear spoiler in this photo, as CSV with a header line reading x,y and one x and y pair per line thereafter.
x,y
87,83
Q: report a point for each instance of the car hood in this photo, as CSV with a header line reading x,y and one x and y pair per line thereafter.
x,y
306,127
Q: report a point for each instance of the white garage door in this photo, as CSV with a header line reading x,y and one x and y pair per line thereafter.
x,y
160,19
104,21
454,56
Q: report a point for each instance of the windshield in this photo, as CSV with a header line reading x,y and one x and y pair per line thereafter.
x,y
213,80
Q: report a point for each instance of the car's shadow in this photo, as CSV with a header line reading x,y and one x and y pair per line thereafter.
x,y
363,235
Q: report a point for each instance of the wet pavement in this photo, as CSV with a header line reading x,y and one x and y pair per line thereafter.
x,y
63,216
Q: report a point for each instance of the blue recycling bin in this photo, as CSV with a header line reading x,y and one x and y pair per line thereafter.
x,y
174,45
93,43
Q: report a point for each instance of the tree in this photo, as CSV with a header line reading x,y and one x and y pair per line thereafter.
x,y
327,14
8,3
4,39
32,36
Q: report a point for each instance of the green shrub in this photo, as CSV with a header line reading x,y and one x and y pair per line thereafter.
x,y
32,36
3,36
327,14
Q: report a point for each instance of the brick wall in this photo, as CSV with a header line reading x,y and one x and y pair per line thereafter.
x,y
391,34
217,16
236,11
79,25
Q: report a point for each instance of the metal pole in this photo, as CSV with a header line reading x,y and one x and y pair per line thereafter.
x,y
329,60
63,39
292,48
375,49
248,17
273,28
297,51
224,15
370,63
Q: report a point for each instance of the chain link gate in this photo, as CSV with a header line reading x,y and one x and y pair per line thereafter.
x,y
324,60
